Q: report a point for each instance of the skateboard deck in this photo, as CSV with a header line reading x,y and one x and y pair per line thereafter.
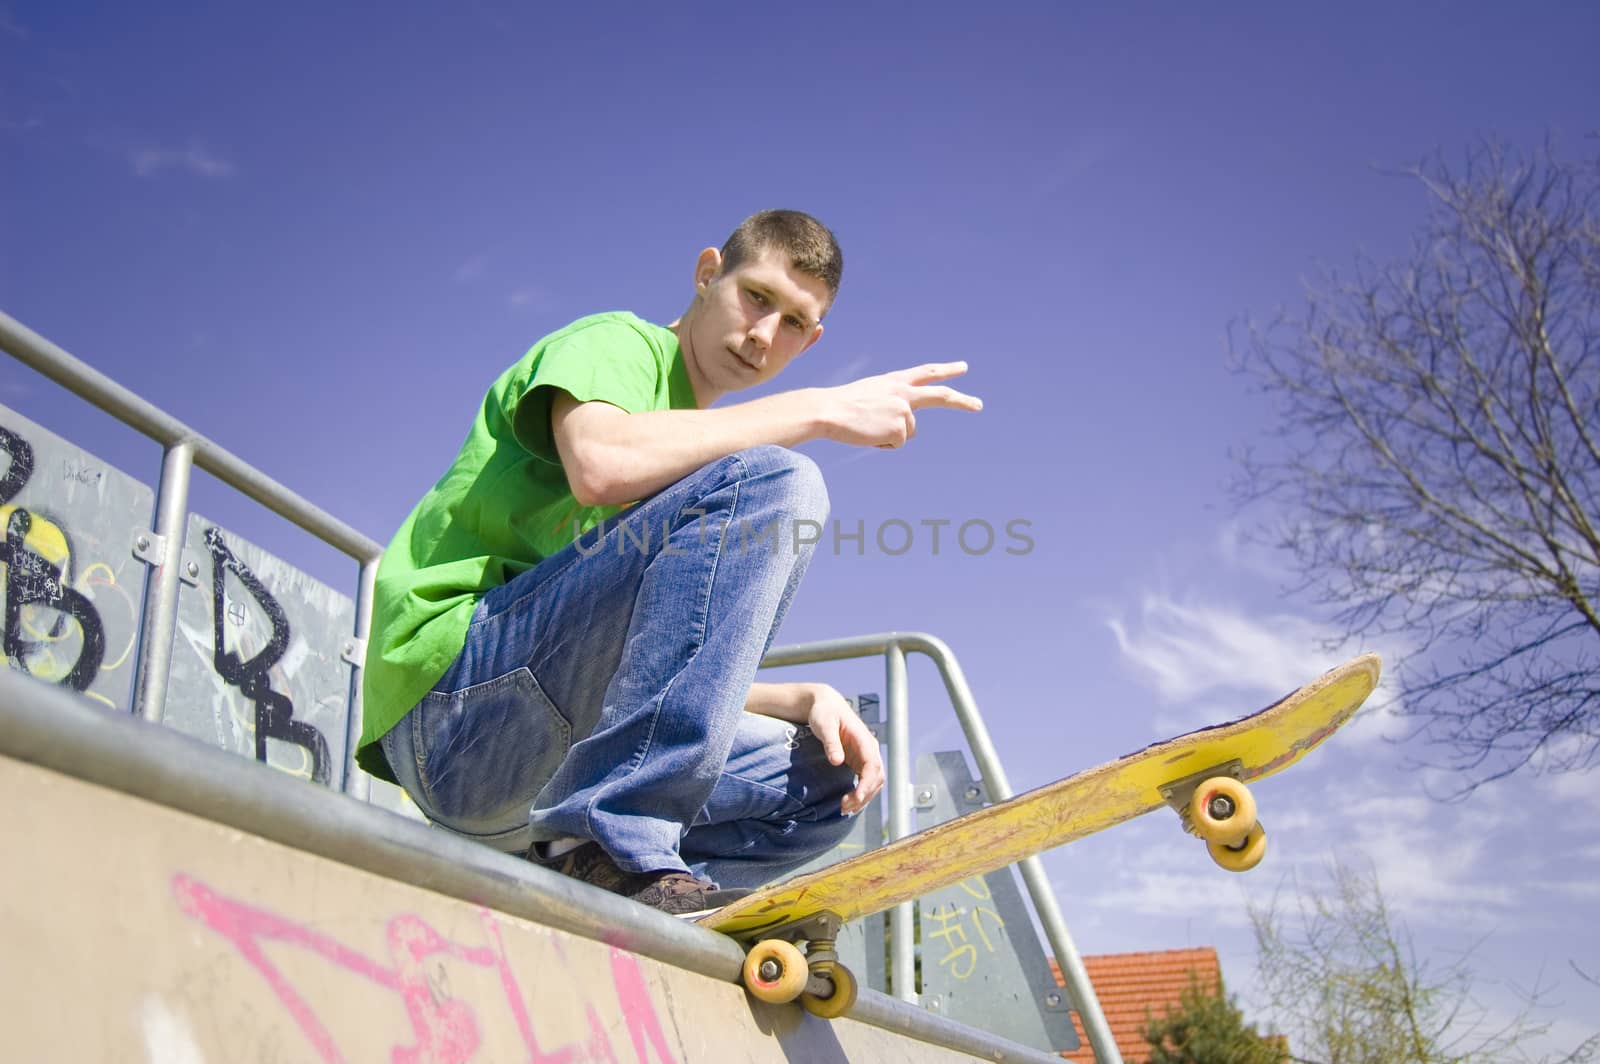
x,y
1165,773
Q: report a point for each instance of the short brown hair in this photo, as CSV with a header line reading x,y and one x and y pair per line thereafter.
x,y
810,245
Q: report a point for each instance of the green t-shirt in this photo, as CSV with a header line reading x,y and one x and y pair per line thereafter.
x,y
503,506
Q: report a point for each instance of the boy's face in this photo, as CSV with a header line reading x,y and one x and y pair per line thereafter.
x,y
752,322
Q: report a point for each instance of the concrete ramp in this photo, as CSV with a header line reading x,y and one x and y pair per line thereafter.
x,y
135,932
167,902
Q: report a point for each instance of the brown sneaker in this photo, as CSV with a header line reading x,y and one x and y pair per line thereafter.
x,y
682,894
677,893
591,864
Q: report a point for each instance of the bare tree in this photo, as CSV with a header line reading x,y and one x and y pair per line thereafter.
x,y
1438,451
1343,981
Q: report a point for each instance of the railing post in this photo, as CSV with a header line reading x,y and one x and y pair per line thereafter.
x,y
356,783
902,948
159,627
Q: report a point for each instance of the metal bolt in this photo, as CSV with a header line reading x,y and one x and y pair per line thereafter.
x,y
1053,1000
934,1004
143,543
925,794
972,794
770,970
192,569
1221,807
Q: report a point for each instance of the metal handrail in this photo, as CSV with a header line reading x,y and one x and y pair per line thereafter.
x,y
185,449
893,646
31,349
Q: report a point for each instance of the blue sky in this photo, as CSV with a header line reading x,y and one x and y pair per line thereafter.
x,y
316,235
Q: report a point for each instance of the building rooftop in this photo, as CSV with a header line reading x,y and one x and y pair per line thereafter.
x,y
1132,987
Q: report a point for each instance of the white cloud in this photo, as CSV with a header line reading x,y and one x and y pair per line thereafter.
x,y
471,270
1586,890
530,297
1076,157
1440,866
196,160
1242,549
1573,786
1192,653
1187,650
1210,894
851,370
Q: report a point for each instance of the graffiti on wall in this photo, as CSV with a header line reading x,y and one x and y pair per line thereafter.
x,y
257,670
948,924
274,717
443,1027
54,621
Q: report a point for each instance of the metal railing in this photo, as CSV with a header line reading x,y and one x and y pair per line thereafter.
x,y
186,449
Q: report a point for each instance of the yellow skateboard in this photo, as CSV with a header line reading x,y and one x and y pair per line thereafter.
x,y
1200,774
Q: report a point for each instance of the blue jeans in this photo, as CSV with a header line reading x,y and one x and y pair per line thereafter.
x,y
601,694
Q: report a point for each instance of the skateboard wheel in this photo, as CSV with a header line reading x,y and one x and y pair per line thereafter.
x,y
837,1003
775,971
1223,810
1242,856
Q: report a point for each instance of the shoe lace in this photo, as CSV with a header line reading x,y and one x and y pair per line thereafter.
x,y
678,883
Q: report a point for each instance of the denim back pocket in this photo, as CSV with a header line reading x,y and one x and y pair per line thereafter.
x,y
484,752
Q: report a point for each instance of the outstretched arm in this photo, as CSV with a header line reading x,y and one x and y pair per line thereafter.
x,y
612,457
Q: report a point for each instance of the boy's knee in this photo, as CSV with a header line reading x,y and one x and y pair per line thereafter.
x,y
795,479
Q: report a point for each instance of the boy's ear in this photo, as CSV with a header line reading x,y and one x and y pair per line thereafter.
x,y
706,266
816,334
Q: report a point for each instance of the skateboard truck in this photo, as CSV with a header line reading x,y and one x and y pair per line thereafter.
x,y
777,971
1215,805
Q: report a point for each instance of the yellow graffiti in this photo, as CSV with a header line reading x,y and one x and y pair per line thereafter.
x,y
950,928
962,957
42,624
50,543
978,888
109,581
43,538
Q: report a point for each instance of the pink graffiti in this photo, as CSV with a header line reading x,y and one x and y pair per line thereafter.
x,y
444,1029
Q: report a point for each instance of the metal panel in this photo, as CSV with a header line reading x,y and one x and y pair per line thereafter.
x,y
70,583
982,963
258,668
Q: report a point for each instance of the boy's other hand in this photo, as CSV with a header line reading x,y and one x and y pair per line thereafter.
x,y
847,740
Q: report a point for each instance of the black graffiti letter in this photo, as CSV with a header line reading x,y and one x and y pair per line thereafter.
x,y
31,579
274,711
18,469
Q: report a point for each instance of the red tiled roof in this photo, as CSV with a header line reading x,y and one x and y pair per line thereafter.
x,y
1134,986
